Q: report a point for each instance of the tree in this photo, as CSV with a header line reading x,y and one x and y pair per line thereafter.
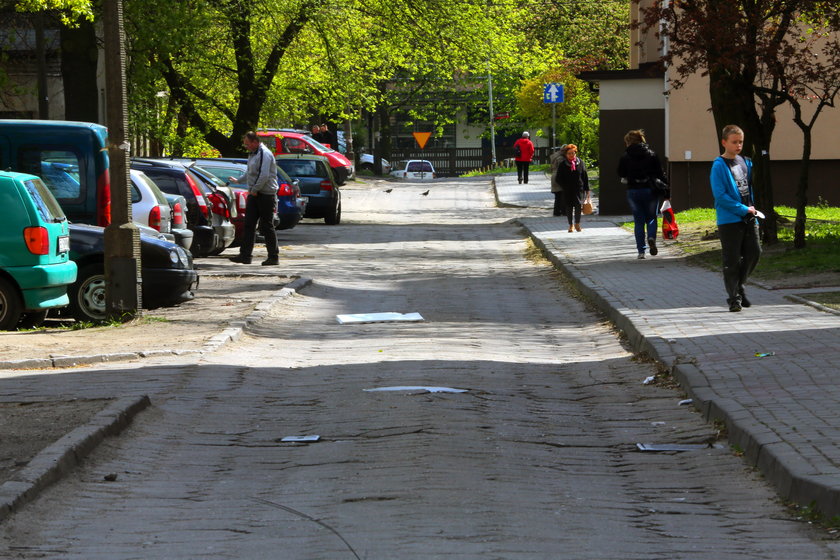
x,y
809,85
746,48
724,40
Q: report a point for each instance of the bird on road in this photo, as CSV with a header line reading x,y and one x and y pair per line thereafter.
x,y
388,190
424,193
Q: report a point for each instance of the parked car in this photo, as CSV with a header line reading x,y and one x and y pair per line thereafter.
x,y
366,162
149,206
284,142
183,234
290,205
208,215
168,274
317,185
35,265
70,157
414,170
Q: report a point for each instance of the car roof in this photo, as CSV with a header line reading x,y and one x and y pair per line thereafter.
x,y
303,156
152,163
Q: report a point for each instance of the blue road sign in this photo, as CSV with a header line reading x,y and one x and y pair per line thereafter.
x,y
553,93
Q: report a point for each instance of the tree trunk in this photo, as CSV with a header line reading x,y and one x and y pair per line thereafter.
x,y
802,190
79,56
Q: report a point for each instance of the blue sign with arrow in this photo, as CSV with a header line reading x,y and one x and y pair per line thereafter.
x,y
553,93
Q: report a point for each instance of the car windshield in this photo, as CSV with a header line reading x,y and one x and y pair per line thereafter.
x,y
208,175
300,167
317,145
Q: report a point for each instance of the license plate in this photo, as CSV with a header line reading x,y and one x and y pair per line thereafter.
x,y
63,244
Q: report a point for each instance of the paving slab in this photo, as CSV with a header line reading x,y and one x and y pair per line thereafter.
x,y
769,372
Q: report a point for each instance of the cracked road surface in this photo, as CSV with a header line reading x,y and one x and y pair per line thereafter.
x,y
537,459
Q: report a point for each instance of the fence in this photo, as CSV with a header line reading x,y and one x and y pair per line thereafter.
x,y
451,162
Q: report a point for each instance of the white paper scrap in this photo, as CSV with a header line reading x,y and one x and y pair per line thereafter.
x,y
419,388
378,318
305,439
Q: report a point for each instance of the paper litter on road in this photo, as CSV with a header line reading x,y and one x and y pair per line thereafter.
x,y
301,439
672,446
378,318
418,388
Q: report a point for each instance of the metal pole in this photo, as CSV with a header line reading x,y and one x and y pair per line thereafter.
x,y
492,118
553,124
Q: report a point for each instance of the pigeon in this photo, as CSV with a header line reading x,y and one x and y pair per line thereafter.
x,y
424,193
388,190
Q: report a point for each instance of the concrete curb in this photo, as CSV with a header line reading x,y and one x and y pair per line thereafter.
x,y
230,334
59,458
781,464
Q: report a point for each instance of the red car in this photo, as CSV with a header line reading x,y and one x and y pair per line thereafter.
x,y
286,142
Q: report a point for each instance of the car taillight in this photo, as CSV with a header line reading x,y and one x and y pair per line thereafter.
x,y
285,190
103,199
37,240
177,215
326,186
199,197
154,218
219,206
241,201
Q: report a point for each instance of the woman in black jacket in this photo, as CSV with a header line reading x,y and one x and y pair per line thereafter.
x,y
639,168
572,178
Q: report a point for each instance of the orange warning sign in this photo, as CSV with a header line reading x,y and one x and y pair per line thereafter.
x,y
422,138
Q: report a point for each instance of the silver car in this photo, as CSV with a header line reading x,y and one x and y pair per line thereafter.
x,y
149,206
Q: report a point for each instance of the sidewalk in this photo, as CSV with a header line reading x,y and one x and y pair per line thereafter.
x,y
781,410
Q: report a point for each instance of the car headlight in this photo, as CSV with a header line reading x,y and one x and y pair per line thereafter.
x,y
174,257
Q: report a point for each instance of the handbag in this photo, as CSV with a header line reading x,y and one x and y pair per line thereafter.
x,y
670,229
586,207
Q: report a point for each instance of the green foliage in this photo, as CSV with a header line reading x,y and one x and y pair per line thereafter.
x,y
577,116
68,10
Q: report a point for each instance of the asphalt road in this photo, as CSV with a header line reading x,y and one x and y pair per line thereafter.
x,y
536,458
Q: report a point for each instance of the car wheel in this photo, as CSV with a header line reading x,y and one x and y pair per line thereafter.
x,y
87,294
334,218
216,251
11,306
366,167
32,320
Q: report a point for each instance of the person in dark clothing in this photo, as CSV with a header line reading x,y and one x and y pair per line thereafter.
x,y
327,137
638,168
574,182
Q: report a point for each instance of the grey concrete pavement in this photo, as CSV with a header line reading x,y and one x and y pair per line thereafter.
x,y
779,409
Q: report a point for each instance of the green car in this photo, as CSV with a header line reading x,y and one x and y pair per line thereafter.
x,y
35,265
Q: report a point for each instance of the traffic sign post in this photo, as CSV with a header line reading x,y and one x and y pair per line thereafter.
x,y
553,93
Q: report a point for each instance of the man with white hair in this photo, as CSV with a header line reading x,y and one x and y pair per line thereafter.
x,y
523,152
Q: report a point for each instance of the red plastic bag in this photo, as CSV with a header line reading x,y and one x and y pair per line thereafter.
x,y
670,229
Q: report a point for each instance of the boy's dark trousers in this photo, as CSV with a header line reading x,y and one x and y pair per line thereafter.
x,y
259,208
741,248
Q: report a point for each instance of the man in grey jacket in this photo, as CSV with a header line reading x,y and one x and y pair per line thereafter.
x,y
261,203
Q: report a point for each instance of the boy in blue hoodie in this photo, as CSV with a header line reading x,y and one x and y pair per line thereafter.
x,y
731,180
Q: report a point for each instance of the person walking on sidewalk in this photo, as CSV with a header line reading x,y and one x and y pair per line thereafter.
x,y
555,160
731,180
639,168
574,181
523,151
261,203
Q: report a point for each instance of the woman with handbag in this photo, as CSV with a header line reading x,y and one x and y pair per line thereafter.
x,y
574,182
639,168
